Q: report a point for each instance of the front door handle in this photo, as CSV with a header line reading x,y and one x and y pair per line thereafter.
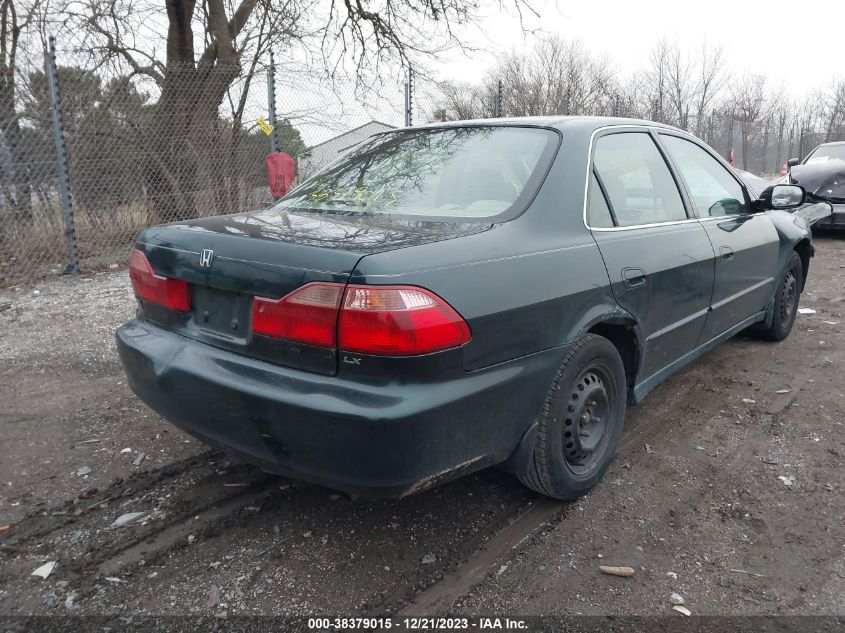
x,y
633,277
726,253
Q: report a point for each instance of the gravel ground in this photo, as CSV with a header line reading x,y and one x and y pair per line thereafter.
x,y
727,490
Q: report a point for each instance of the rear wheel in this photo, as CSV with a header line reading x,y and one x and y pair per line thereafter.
x,y
580,423
786,301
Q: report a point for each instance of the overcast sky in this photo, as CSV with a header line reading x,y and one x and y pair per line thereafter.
x,y
773,37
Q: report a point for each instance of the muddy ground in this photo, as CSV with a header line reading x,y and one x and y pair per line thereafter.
x,y
727,490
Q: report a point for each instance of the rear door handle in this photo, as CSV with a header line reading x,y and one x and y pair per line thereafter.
x,y
633,277
726,253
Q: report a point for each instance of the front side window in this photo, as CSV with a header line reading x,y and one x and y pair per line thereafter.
x,y
639,185
460,173
714,191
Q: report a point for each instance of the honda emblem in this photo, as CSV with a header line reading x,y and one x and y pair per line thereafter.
x,y
205,258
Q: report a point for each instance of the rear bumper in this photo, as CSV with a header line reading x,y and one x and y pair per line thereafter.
x,y
387,439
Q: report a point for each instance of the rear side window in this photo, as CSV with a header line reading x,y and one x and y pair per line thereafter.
x,y
713,190
639,185
461,173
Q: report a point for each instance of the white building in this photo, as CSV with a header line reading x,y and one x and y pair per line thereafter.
x,y
320,155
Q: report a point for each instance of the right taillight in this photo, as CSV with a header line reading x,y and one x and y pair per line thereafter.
x,y
173,294
398,321
379,320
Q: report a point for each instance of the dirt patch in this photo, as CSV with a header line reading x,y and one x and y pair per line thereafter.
x,y
727,490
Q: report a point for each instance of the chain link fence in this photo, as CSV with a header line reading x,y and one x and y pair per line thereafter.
x,y
139,152
762,147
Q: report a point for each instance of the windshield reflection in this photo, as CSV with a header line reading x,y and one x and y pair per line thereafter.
x,y
448,173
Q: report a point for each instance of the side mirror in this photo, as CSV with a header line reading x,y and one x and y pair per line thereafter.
x,y
780,197
793,161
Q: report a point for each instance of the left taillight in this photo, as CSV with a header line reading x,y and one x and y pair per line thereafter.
x,y
173,294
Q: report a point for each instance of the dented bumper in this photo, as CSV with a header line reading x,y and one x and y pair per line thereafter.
x,y
386,439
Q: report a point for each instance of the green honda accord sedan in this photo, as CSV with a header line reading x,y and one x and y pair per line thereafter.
x,y
455,296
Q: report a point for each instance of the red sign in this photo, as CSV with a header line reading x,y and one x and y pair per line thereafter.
x,y
281,169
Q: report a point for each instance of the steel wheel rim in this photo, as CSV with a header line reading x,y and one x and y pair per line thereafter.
x,y
790,295
586,422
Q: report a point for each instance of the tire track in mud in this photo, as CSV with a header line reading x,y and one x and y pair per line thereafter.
x,y
156,544
40,523
197,488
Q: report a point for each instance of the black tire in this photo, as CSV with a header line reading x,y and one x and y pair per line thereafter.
x,y
787,296
567,463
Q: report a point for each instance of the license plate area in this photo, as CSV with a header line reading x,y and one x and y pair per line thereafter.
x,y
222,313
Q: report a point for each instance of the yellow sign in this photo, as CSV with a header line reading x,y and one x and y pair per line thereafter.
x,y
264,126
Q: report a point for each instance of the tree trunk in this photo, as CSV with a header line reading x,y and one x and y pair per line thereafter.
x,y
765,148
20,171
181,143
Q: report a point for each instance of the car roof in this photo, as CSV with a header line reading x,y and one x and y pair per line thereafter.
x,y
579,123
832,143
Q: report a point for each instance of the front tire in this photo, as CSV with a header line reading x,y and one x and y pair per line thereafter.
x,y
786,301
580,423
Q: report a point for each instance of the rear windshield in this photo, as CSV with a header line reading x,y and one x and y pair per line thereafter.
x,y
448,174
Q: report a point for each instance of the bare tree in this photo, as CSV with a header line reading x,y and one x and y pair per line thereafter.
x,y
557,76
783,117
710,78
808,118
750,102
656,80
461,101
834,110
15,16
207,45
680,87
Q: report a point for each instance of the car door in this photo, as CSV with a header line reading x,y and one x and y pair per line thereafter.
x,y
658,257
745,244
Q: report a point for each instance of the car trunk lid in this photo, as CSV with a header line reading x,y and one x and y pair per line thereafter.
x,y
229,260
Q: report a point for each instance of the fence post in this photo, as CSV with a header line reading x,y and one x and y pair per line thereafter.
x,y
409,97
730,138
271,100
498,108
791,141
52,73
